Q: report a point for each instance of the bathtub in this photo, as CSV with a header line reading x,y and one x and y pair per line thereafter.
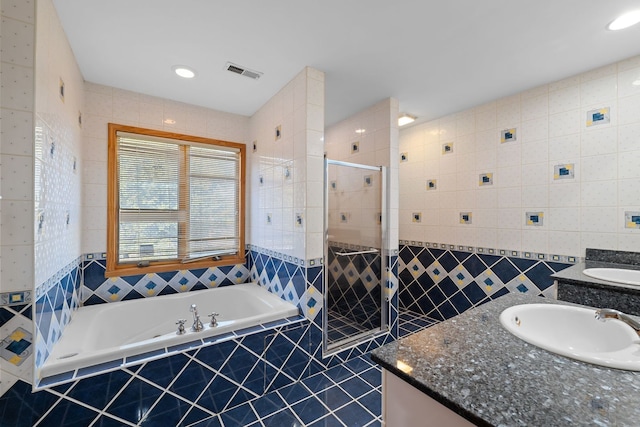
x,y
108,336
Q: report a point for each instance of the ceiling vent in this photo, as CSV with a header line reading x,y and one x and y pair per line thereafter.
x,y
235,68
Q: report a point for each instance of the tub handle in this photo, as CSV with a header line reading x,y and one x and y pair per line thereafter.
x,y
214,321
180,324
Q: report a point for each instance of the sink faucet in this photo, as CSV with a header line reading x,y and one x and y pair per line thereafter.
x,y
607,313
197,323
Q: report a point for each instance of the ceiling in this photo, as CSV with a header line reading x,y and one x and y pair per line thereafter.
x,y
435,57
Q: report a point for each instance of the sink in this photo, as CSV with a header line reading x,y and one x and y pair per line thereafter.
x,y
574,332
617,275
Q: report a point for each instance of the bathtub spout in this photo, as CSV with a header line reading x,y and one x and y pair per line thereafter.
x,y
197,323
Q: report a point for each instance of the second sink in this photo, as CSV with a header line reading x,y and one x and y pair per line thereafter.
x,y
574,332
617,275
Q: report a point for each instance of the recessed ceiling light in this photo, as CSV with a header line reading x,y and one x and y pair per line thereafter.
x,y
636,82
184,72
405,119
169,121
625,21
361,130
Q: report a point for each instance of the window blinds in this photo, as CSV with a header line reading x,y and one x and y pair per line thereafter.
x,y
177,200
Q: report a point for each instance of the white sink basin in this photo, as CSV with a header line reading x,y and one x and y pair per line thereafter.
x,y
617,275
574,332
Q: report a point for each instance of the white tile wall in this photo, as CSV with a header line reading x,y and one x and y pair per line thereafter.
x,y
587,211
16,152
58,145
290,167
377,146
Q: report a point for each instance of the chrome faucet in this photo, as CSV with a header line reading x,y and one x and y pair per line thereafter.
x,y
607,313
197,323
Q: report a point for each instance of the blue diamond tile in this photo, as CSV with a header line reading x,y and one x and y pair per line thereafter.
x,y
66,413
309,410
134,401
240,416
218,394
192,381
354,415
280,419
99,390
268,404
168,412
163,371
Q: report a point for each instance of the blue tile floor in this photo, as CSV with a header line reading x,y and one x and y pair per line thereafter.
x,y
348,394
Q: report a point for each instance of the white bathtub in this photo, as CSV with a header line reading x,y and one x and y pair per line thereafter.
x,y
115,332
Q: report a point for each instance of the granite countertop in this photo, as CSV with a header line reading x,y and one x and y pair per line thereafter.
x,y
472,365
574,274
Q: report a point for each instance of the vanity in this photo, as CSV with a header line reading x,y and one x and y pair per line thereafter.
x,y
469,370
573,285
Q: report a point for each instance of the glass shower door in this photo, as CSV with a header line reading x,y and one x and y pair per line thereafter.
x,y
355,307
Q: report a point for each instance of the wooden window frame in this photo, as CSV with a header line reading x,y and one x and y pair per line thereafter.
x,y
114,268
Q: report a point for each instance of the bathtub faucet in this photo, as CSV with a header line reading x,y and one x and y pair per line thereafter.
x,y
197,323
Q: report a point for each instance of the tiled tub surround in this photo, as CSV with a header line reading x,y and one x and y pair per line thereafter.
x,y
197,384
354,294
477,369
108,335
97,289
56,300
576,287
442,283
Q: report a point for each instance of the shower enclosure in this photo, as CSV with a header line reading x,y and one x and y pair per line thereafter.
x,y
355,259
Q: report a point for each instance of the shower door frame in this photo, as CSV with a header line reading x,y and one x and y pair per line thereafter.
x,y
384,270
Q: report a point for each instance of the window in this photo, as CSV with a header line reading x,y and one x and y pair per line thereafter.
x,y
174,202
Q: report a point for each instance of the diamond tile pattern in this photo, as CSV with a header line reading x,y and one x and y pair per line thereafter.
x,y
441,284
354,291
54,308
97,289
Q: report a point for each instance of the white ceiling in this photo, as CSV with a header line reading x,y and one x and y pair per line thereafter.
x,y
435,57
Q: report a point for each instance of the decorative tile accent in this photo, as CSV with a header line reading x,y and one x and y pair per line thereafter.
x,y
444,283
404,157
344,217
255,146
97,289
485,179
508,135
355,147
15,298
16,347
268,219
432,184
466,217
278,133
416,217
534,218
333,185
447,148
287,173
260,179
632,219
368,180
298,220
564,171
598,117
503,252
